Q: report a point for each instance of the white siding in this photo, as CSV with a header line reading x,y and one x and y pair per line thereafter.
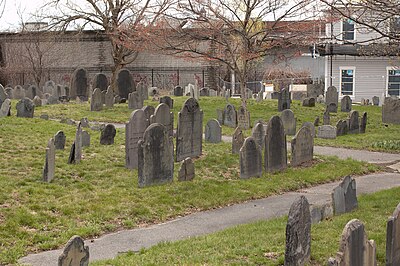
x,y
363,35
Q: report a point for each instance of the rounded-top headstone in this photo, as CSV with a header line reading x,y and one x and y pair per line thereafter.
x,y
289,122
108,135
25,108
213,131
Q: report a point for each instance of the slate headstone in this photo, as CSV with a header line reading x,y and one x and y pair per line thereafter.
x,y
163,116
237,140
309,102
85,139
124,83
25,108
345,104
148,111
316,121
344,196
204,92
284,100
363,123
75,154
326,132
109,98
59,140
142,90
220,116
79,84
258,133
332,99
341,128
96,103
134,131
250,159
31,92
230,119
178,91
375,100
135,101
108,134
75,253
5,109
100,81
354,122
49,165
327,118
391,111
168,101
302,147
186,172
275,158
213,131
243,118
393,238
289,122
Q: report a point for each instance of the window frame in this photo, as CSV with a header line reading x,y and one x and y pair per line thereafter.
x,y
387,79
354,81
342,31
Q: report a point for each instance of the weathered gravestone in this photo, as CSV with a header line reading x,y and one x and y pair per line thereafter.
x,y
189,136
326,132
250,159
37,101
341,128
75,253
108,134
49,165
124,83
59,140
25,108
327,118
391,111
9,92
355,248
243,118
96,103
5,109
393,238
212,93
298,233
168,101
309,102
353,122
32,91
284,100
134,131
313,90
344,196
220,116
230,119
213,131
100,81
3,94
345,104
237,140
178,91
148,111
103,97
289,122
375,100
49,86
165,117
18,92
275,157
302,147
109,98
204,92
156,156
135,101
75,154
258,134
79,84
186,172
363,123
143,91
332,98
85,139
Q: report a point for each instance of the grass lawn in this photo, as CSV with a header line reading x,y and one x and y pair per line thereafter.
x,y
263,243
99,195
379,137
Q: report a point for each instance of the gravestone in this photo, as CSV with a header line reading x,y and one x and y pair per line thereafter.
x,y
341,128
289,122
79,84
250,159
332,98
31,92
391,111
298,233
220,116
284,100
124,83
275,158
178,91
309,102
75,154
75,253
25,108
143,91
103,97
5,109
108,134
59,140
212,93
213,131
3,94
375,100
49,85
326,132
135,101
49,165
302,147
355,248
313,90
204,92
85,122
237,140
148,111
327,118
109,98
168,101
258,134
316,121
37,101
85,139
320,99
344,196
363,123
134,131
243,118
18,92
230,119
156,156
354,122
96,103
186,172
153,91
345,104
100,81
165,117
44,116
189,136
9,92
393,238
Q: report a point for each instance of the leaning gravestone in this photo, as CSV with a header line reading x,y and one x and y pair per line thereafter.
x,y
85,139
393,238
186,172
5,109
284,100
344,196
134,131
213,131
391,111
156,156
375,100
326,132
100,81
96,103
135,101
355,248
124,83
327,118
75,253
258,134
354,123
275,146
332,98
148,111
341,128
363,123
49,165
298,233
237,140
178,91
59,140
109,98
345,104
163,116
75,154
250,159
289,122
189,136
25,108
168,101
302,147
230,116
108,134
79,84
243,118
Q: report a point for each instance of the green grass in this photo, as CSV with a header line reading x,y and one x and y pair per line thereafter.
x,y
377,132
263,243
99,195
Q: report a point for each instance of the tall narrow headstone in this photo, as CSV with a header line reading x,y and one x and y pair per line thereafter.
x,y
75,253
49,165
275,158
108,134
148,111
79,84
363,123
284,100
258,134
237,140
250,159
156,156
165,117
289,122
59,140
230,119
25,108
332,99
85,139
243,118
100,81
76,149
96,103
327,118
354,123
345,104
213,131
134,131
393,238
124,83
135,101
344,196
302,147
109,98
3,94
143,91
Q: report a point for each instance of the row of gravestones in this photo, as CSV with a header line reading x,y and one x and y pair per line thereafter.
x,y
232,118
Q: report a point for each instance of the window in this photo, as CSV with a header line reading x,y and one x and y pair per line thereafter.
x,y
347,81
393,86
348,32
